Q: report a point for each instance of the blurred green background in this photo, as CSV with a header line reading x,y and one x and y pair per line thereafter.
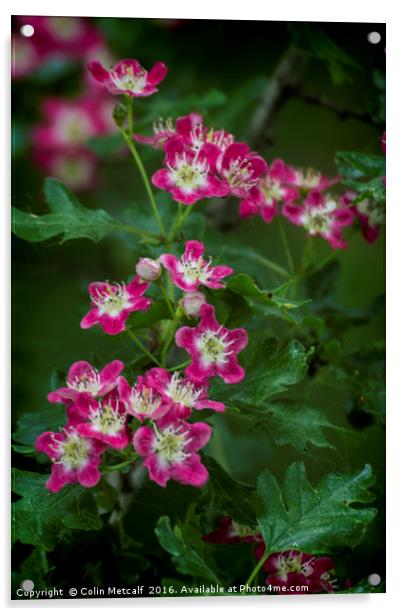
x,y
237,59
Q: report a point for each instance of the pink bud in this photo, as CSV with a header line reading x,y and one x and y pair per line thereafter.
x,y
148,269
192,303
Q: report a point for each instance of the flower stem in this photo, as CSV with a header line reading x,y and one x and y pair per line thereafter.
x,y
180,366
256,570
271,265
182,215
118,467
143,348
285,244
128,138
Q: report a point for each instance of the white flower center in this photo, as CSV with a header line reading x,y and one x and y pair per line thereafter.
x,y
112,300
188,176
308,179
213,347
107,419
73,452
170,444
185,394
319,219
194,270
128,80
239,174
74,127
144,401
272,190
88,382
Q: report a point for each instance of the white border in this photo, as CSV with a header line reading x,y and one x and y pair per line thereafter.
x,y
304,10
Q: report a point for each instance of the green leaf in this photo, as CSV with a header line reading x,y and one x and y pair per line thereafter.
x,y
158,311
224,495
293,423
319,520
270,303
184,557
29,425
68,218
358,164
373,189
39,516
268,373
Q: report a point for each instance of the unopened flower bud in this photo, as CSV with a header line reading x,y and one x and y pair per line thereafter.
x,y
119,114
148,269
192,303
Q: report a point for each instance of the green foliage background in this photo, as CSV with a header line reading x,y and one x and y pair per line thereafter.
x,y
221,69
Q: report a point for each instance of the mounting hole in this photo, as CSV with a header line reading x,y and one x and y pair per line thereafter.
x,y
374,579
27,30
27,585
374,38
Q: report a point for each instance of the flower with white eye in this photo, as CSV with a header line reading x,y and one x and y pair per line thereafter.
x,y
83,380
129,77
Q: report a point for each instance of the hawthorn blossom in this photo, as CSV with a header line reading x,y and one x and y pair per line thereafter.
x,y
213,348
74,458
181,394
75,167
321,215
294,568
83,380
192,303
113,304
270,191
143,400
148,269
164,130
309,179
170,452
230,532
25,57
241,169
104,420
193,270
370,214
188,175
129,77
69,123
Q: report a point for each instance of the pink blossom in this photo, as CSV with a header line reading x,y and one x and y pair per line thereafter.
x,y
309,179
321,215
181,395
83,380
371,215
187,176
148,269
104,420
294,568
164,130
75,458
113,304
192,303
143,401
271,190
230,532
75,167
241,169
128,77
69,123
193,270
213,348
170,452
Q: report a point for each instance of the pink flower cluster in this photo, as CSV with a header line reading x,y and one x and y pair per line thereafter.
x,y
105,411
60,140
201,162
288,569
